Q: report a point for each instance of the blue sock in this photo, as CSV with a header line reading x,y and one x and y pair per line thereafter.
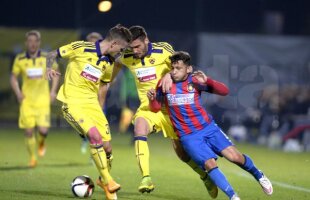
x,y
220,180
251,168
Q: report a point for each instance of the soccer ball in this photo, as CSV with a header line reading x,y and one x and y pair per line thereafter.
x,y
82,186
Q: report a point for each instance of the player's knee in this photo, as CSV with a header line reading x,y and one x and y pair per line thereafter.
x,y
107,147
28,133
43,131
210,164
141,127
94,137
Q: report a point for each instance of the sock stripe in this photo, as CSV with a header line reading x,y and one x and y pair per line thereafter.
x,y
143,138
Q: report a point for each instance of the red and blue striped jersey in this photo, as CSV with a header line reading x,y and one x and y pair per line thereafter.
x,y
186,111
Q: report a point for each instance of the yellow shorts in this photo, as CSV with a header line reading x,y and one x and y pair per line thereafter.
x,y
31,116
157,122
83,117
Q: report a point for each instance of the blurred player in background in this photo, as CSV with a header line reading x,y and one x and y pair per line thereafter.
x,y
35,96
149,62
200,136
91,37
88,72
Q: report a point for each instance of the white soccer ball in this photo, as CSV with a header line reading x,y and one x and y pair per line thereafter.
x,y
82,186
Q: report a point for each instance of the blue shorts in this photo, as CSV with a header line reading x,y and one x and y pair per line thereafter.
x,y
205,144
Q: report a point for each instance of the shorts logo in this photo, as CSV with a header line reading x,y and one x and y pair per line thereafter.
x,y
63,51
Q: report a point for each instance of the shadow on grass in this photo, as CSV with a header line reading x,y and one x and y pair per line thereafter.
x,y
60,165
145,196
43,193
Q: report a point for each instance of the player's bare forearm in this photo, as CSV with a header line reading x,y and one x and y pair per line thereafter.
x,y
51,58
102,93
16,88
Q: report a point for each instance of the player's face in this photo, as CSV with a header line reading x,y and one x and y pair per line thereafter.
x,y
139,47
117,47
32,44
179,71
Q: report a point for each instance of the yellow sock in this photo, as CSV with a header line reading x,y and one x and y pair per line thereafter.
x,y
197,169
41,138
143,155
31,146
100,159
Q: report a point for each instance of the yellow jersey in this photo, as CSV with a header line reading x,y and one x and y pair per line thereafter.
x,y
35,86
149,69
86,68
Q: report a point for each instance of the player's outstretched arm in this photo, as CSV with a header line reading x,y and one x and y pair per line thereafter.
x,y
50,59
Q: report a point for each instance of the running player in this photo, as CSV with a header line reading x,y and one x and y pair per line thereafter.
x,y
200,136
88,72
149,62
35,96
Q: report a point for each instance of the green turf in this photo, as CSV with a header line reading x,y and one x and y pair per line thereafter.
x,y
173,179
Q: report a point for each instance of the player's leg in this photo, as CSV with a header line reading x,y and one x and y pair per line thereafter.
x,y
141,130
27,122
181,153
30,141
43,123
245,162
197,148
42,134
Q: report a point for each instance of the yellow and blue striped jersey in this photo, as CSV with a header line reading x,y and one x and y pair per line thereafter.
x,y
86,68
149,69
35,87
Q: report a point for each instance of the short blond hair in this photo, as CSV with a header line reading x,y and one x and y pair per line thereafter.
x,y
94,35
33,32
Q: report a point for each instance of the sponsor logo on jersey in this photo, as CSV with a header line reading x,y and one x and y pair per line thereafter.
x,y
91,73
180,99
146,74
34,73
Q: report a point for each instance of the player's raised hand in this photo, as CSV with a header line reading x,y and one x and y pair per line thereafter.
x,y
151,94
166,83
200,76
51,73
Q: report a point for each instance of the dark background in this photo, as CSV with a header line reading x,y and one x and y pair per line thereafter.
x,y
238,16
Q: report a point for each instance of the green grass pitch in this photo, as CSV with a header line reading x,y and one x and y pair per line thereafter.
x,y
289,172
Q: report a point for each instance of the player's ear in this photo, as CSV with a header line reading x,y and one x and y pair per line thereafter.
x,y
189,69
146,40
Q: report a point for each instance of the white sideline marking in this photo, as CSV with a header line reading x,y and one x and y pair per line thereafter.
x,y
284,185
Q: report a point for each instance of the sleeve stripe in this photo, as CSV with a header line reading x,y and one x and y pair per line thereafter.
x,y
165,46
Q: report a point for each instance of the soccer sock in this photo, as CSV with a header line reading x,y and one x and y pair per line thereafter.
x,y
100,159
220,180
41,138
31,146
251,168
142,154
109,161
203,175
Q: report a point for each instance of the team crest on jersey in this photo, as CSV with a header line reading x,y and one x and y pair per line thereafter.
x,y
152,60
63,51
89,59
190,87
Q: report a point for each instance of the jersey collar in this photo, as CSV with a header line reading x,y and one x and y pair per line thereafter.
x,y
98,51
28,55
149,49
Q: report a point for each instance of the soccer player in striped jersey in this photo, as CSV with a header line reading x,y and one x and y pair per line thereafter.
x,y
35,95
200,136
148,63
88,71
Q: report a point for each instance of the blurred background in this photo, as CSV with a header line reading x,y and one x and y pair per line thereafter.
x,y
259,48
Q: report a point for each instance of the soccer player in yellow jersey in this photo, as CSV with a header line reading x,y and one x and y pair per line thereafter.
x,y
88,72
149,62
35,96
